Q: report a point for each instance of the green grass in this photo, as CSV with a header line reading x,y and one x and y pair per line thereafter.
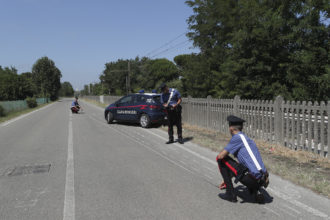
x,y
95,102
12,115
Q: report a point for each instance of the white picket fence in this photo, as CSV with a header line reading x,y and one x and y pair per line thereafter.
x,y
296,125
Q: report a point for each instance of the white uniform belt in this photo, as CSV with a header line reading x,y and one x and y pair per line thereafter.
x,y
254,159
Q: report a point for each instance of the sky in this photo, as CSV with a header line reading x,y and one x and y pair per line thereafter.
x,y
80,36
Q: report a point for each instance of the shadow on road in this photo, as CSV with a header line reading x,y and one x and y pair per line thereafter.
x,y
246,197
243,193
187,139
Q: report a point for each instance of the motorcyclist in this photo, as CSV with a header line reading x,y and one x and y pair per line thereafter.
x,y
75,107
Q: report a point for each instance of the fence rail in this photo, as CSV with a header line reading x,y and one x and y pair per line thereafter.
x,y
11,106
296,125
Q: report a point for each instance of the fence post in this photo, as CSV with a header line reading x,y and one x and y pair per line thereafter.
x,y
328,134
236,102
278,118
189,105
208,110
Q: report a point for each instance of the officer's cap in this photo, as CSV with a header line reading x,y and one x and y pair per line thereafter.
x,y
233,120
162,86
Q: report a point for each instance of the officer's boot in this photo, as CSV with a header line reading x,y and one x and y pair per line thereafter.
x,y
259,197
180,140
229,196
170,141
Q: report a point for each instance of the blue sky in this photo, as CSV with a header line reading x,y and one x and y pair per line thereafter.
x,y
81,36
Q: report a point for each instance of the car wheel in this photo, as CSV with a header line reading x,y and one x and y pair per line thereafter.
x,y
145,121
109,117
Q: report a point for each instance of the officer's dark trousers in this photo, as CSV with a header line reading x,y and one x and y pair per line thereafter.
x,y
230,168
174,118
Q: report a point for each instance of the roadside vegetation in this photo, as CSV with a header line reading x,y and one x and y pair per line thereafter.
x,y
253,49
11,115
43,81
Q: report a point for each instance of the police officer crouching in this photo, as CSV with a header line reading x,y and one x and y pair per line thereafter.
x,y
171,100
249,170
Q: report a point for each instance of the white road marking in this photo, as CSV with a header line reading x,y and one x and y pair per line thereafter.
x,y
294,210
301,205
186,149
69,199
210,177
298,204
271,210
25,115
287,212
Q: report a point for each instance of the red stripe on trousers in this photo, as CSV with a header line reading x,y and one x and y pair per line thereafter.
x,y
230,167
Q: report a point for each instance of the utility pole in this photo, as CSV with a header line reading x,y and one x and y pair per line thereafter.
x,y
128,77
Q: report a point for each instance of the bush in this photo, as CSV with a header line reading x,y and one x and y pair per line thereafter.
x,y
31,102
2,111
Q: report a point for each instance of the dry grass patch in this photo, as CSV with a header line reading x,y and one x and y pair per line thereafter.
x,y
300,167
95,102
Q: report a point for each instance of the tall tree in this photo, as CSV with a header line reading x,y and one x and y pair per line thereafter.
x,y
66,90
8,84
47,78
260,49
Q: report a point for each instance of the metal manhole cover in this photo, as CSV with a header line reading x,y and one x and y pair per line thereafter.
x,y
29,169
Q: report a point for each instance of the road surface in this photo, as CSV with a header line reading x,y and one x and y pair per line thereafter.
x,y
55,165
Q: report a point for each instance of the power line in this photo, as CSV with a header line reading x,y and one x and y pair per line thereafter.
x,y
153,51
173,47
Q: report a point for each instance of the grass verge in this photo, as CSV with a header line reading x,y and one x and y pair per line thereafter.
x,y
15,114
300,167
95,103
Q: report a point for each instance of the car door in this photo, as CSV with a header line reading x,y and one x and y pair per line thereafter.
x,y
124,108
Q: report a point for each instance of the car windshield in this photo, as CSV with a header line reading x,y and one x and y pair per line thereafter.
x,y
156,99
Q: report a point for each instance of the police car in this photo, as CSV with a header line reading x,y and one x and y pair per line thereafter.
x,y
144,108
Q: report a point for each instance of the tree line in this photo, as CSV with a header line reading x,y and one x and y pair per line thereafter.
x,y
257,49
42,81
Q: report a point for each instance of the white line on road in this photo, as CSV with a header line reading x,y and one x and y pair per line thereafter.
x,y
183,148
69,200
279,194
271,210
298,204
23,116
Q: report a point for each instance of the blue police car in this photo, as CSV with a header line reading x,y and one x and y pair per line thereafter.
x,y
143,108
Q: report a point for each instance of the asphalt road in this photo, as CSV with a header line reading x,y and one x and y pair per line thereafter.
x,y
55,165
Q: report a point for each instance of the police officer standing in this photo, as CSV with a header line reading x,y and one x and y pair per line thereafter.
x,y
171,100
249,170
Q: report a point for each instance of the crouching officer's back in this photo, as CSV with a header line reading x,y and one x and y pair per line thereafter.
x,y
249,170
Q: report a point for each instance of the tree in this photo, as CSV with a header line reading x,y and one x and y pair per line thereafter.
x,y
8,84
47,78
66,90
261,49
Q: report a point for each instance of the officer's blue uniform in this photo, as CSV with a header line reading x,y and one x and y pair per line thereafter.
x,y
74,103
175,97
251,173
174,114
236,147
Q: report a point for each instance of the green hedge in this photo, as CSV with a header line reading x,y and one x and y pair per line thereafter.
x,y
31,102
2,111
